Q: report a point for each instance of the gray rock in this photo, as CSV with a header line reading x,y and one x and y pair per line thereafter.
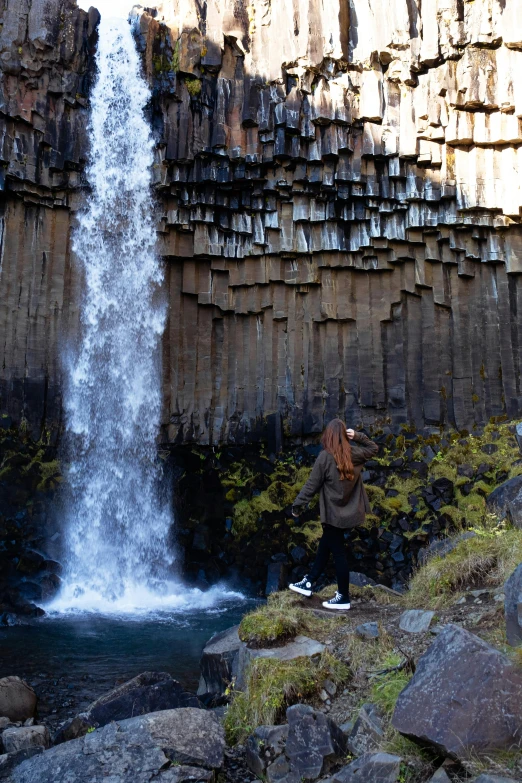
x,y
17,699
219,662
441,776
443,547
368,631
361,580
506,500
416,620
148,692
513,607
370,768
264,746
276,577
485,778
459,680
300,647
367,732
133,751
8,762
183,774
25,737
299,555
314,742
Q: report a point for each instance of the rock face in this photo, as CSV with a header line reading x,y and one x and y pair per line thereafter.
x,y
339,193
17,699
458,681
148,692
135,751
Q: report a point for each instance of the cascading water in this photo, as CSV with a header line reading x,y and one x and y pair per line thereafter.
x,y
118,528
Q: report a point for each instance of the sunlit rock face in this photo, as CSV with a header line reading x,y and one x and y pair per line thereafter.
x,y
338,201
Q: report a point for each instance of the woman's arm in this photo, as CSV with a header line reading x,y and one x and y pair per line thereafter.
x,y
364,449
313,485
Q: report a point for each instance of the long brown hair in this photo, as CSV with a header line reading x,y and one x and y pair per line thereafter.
x,y
335,441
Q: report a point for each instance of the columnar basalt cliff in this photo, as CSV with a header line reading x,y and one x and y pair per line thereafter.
x,y
46,66
338,196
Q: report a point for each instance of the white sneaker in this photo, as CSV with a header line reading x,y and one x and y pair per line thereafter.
x,y
337,602
304,587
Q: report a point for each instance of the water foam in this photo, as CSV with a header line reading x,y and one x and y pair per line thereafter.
x,y
119,526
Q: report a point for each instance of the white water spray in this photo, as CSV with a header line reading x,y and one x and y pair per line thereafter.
x,y
118,527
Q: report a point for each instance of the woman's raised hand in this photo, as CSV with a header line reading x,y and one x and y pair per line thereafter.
x,y
350,434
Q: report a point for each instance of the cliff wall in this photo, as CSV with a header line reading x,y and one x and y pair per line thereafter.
x,y
46,67
338,205
341,190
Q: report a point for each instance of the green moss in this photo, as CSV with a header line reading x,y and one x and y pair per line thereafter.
x,y
193,86
386,688
274,685
282,618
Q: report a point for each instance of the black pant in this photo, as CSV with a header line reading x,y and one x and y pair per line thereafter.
x,y
332,541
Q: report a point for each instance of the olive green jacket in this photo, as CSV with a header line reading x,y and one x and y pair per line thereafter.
x,y
343,503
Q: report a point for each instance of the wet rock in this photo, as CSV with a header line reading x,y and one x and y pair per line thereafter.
x,y
367,733
276,578
506,500
368,630
416,620
148,692
133,751
218,663
370,768
25,737
513,607
264,746
458,681
300,647
17,699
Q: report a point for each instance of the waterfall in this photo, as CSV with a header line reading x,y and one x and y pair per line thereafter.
x,y
117,525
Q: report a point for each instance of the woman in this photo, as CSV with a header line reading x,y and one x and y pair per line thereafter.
x,y
336,475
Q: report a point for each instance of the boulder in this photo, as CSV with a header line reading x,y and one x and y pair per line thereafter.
x,y
218,663
370,768
25,737
416,620
148,692
513,607
367,631
506,500
300,647
135,751
368,732
314,742
17,699
458,681
518,435
8,761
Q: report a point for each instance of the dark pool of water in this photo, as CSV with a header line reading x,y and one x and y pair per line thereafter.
x,y
72,660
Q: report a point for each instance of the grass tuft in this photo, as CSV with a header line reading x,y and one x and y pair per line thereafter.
x,y
274,685
282,618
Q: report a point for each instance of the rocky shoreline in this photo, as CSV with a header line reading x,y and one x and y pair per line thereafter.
x,y
425,677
